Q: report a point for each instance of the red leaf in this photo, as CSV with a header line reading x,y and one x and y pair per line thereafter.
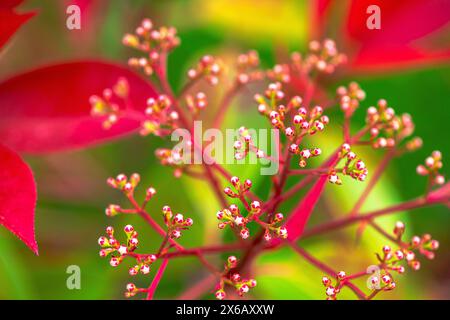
x,y
48,109
300,215
405,34
10,4
11,21
17,197
412,32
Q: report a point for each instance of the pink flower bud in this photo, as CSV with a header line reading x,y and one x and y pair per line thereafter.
x,y
399,254
131,287
122,250
305,153
220,295
103,241
110,230
434,244
415,265
252,283
189,222
145,269
245,233
326,281
330,291
293,148
176,234
128,228
232,260
133,271
410,256
386,279
244,289
415,241
134,242
399,228
236,277
114,262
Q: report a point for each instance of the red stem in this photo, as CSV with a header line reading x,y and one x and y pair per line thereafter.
x,y
156,279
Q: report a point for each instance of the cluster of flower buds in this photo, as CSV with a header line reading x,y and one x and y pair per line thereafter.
x,y
160,120
390,260
353,166
234,279
388,129
196,103
239,188
244,145
322,57
384,280
111,246
304,154
153,42
349,98
431,168
332,290
107,106
274,229
175,223
124,184
172,158
279,73
425,245
247,68
303,122
132,290
232,216
209,68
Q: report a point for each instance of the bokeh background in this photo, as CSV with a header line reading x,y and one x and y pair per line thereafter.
x,y
73,193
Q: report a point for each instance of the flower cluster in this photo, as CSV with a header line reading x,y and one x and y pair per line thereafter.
x,y
431,168
151,41
132,290
175,223
209,68
244,145
247,68
111,246
233,217
107,106
123,183
160,118
233,279
353,167
322,57
196,103
387,129
350,97
382,278
331,290
172,158
279,73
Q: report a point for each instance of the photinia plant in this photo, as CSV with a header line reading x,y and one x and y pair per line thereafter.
x,y
44,111
297,118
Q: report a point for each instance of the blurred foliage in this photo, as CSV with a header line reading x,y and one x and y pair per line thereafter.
x,y
73,195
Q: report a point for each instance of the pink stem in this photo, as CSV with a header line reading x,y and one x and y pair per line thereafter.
x,y
156,279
